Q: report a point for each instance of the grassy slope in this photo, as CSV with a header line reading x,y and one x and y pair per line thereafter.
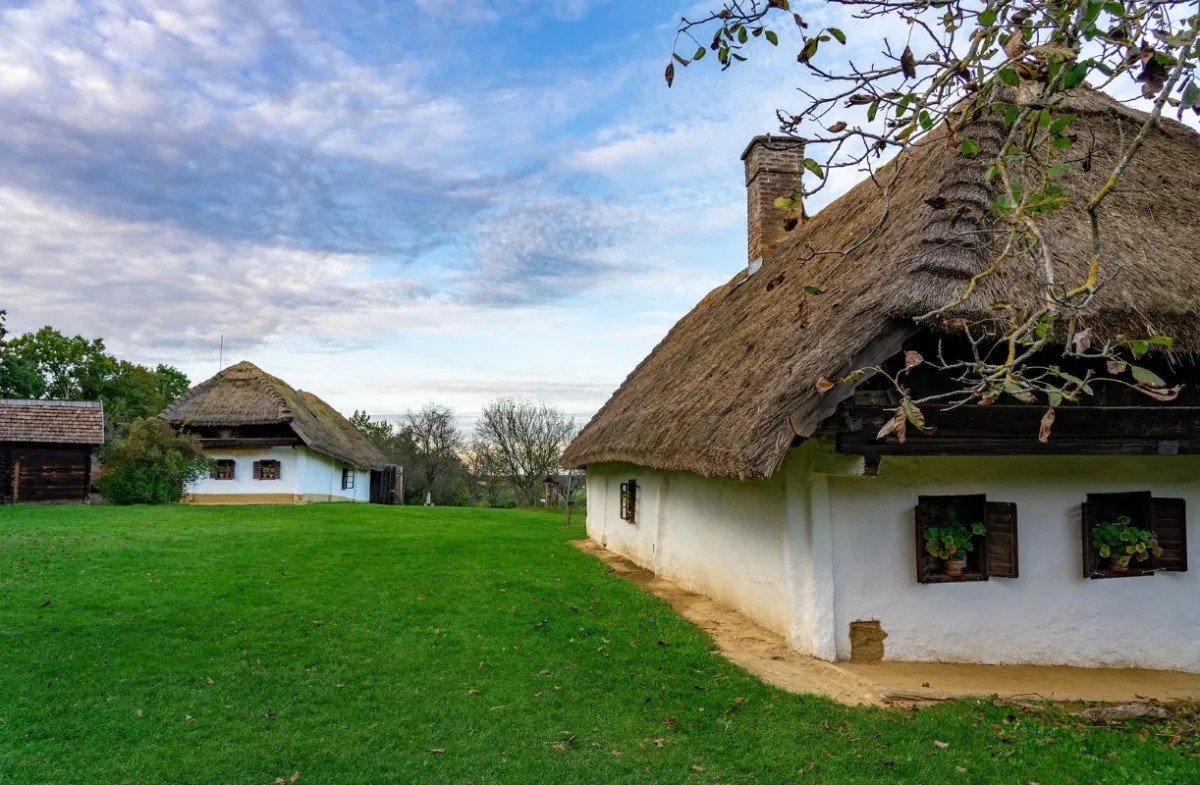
x,y
343,642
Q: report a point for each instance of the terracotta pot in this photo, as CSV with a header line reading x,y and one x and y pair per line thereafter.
x,y
954,567
1120,564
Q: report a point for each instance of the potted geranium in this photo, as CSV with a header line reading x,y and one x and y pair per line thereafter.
x,y
951,542
1120,542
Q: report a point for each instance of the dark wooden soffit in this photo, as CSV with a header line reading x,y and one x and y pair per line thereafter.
x,y
249,443
1013,430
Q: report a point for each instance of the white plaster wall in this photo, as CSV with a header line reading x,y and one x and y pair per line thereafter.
x,y
722,538
243,481
1051,614
321,475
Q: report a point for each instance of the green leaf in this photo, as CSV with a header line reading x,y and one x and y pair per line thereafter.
x,y
812,289
680,60
1009,77
774,39
699,53
969,147
814,167
988,17
838,34
1139,348
1162,340
872,110
1146,377
1114,8
810,50
1011,114
1063,142
926,120
1061,123
1055,398
741,34
1191,96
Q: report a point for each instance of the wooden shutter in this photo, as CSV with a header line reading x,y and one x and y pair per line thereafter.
x,y
1090,557
921,516
1169,520
1000,549
258,470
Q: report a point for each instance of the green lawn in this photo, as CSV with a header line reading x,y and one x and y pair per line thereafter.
x,y
363,644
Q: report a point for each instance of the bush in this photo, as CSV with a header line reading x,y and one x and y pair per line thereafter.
x,y
150,464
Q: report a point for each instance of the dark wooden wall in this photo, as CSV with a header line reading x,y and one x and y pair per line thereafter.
x,y
45,472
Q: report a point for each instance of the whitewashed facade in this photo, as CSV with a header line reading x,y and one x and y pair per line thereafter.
x,y
304,476
818,546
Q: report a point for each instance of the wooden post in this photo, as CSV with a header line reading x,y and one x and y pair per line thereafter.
x,y
16,479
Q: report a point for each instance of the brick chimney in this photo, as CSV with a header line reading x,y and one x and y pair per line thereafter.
x,y
774,165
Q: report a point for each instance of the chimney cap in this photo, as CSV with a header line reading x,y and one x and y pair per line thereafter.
x,y
774,142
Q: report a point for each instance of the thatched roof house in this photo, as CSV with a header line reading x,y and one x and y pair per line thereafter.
x,y
244,408
731,385
719,464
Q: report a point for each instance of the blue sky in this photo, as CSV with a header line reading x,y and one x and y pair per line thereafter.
x,y
382,201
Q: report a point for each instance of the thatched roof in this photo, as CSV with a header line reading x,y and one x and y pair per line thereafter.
x,y
244,394
734,381
51,422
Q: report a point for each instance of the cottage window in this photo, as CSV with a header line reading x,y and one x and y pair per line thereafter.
x,y
347,479
993,553
629,501
266,470
1166,518
224,469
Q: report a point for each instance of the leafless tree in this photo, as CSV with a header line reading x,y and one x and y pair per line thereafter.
x,y
437,440
527,438
485,472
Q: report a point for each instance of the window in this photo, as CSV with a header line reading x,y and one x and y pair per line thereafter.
x,y
266,470
629,501
347,479
993,553
224,470
1167,518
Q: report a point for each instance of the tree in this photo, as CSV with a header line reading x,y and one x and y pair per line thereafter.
x,y
527,439
437,443
994,80
485,472
19,378
150,464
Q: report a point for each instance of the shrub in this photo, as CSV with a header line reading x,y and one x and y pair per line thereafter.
x,y
150,464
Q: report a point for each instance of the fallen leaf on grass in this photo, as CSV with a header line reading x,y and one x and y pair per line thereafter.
x,y
317,622
270,715
559,747
139,713
698,769
672,722
295,776
340,686
472,692
941,745
436,751
960,769
658,742
188,718
45,604
617,753
210,681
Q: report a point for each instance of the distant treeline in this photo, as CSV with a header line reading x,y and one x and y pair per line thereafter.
x,y
516,445
49,364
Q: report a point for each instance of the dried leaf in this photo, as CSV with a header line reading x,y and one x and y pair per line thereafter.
x,y
559,747
1083,340
908,63
436,751
295,776
824,385
671,722
894,426
960,769
1047,424
210,681
472,692
941,745
1014,45
1153,76
188,718
670,74
837,127
1160,393
1116,367
139,713
912,359
698,769
860,99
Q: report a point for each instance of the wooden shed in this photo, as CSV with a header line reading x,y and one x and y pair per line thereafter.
x,y
46,449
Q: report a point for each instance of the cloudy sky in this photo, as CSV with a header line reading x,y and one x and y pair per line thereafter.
x,y
381,201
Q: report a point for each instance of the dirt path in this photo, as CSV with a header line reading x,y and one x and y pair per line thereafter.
x,y
743,642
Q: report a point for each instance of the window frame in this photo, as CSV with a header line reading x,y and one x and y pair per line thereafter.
x,y
628,501
1150,512
347,478
269,462
996,553
220,463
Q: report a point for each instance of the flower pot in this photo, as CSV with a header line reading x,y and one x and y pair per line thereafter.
x,y
954,567
1120,564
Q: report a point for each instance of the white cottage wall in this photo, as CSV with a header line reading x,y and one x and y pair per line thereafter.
x,y
243,483
321,479
1051,614
722,538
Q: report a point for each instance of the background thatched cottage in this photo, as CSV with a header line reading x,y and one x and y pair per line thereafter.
x,y
719,465
272,444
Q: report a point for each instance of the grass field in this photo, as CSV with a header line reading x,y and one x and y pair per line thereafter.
x,y
363,644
